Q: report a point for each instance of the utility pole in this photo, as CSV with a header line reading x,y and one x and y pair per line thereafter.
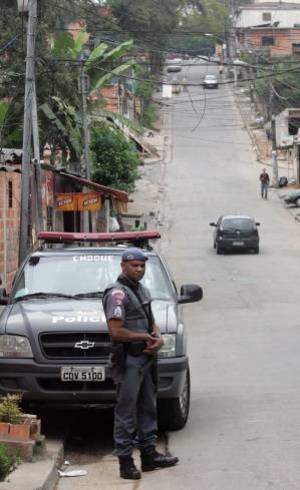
x,y
39,224
84,89
274,153
84,83
27,129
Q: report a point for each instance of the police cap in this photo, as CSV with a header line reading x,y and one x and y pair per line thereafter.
x,y
133,253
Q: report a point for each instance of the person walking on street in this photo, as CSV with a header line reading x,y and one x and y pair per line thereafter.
x,y
264,183
136,340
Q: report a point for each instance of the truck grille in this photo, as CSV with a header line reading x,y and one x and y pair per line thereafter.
x,y
62,345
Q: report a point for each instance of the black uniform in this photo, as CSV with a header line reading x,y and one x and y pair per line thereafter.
x,y
131,369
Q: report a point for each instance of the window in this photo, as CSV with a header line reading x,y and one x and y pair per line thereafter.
x,y
296,49
266,16
10,194
267,41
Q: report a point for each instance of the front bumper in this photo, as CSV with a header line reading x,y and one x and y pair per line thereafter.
x,y
41,384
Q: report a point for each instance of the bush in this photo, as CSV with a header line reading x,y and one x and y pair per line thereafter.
x,y
115,159
149,116
8,462
9,409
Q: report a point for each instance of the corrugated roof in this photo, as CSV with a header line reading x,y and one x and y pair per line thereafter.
x,y
109,191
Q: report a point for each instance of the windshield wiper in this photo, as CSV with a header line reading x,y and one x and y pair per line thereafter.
x,y
91,294
43,295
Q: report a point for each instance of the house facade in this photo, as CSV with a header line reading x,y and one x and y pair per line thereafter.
x,y
268,14
273,41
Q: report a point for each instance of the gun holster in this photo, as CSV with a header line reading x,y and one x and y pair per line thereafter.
x,y
117,361
135,349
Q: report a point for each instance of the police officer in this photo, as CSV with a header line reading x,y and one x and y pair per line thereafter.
x,y
136,340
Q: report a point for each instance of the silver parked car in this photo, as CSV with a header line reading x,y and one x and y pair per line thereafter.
x,y
210,81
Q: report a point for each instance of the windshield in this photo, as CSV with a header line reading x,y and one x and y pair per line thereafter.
x,y
82,274
210,77
238,224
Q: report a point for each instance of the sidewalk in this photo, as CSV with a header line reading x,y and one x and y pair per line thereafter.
x,y
252,122
41,474
263,147
144,202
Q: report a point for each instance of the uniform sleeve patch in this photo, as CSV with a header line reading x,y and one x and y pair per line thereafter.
x,y
118,296
118,312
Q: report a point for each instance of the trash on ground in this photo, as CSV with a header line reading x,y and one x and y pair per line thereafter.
x,y
72,473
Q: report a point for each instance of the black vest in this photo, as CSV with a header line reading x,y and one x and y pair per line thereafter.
x,y
137,313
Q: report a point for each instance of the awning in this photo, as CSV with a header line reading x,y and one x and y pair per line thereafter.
x,y
106,191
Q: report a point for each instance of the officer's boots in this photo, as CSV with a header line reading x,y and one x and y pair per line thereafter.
x,y
152,459
128,470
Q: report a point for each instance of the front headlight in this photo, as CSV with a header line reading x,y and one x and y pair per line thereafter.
x,y
169,347
14,346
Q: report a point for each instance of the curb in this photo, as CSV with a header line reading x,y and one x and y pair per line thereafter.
x,y
40,475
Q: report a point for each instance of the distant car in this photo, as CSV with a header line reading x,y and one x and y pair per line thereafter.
x,y
234,232
293,198
173,68
210,81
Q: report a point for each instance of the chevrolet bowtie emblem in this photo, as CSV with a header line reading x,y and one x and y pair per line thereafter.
x,y
84,345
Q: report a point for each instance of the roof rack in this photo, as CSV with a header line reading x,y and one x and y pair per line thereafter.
x,y
137,237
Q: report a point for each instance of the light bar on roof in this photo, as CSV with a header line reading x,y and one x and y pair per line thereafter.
x,y
122,236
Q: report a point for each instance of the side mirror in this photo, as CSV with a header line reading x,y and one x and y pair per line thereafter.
x,y
212,224
257,224
190,293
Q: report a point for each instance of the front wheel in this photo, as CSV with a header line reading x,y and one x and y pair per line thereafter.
x,y
298,202
256,250
173,413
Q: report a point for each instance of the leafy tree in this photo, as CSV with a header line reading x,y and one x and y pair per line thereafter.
x,y
115,159
151,23
65,118
195,26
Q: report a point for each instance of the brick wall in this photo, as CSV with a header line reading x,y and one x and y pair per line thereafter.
x,y
283,40
10,191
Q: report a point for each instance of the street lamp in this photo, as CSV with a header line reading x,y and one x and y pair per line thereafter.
x,y
23,6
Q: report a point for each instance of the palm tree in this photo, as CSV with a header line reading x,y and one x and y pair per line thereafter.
x,y
101,66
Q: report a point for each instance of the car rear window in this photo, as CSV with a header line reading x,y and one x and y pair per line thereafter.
x,y
238,224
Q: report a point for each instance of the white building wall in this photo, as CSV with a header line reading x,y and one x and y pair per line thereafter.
x,y
250,18
272,1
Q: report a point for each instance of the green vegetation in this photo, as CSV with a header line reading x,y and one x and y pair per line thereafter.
x,y
115,159
279,91
8,462
10,410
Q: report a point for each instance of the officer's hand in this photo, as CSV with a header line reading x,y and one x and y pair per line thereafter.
x,y
157,343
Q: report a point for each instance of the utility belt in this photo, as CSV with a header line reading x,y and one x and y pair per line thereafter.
x,y
120,350
135,349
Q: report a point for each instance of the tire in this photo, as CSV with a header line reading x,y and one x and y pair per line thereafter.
x,y
298,202
219,251
214,244
256,250
173,413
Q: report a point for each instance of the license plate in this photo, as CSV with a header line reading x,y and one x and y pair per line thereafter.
x,y
237,244
82,373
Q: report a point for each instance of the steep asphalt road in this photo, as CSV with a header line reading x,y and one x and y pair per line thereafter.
x,y
244,338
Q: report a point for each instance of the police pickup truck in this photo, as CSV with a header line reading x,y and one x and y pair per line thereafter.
x,y
54,342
